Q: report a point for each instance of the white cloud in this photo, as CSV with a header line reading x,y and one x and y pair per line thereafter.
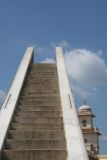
x,y
81,91
48,60
64,44
87,69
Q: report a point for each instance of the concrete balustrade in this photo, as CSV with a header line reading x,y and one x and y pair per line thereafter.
x,y
10,102
75,144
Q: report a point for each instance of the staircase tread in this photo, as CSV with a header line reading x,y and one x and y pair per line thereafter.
x,y
36,128
9,150
35,140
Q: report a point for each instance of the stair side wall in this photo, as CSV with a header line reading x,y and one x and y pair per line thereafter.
x,y
75,143
10,102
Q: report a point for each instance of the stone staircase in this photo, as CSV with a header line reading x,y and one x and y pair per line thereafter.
x,y
36,130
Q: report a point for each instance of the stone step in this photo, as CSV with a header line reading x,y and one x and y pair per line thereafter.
x,y
39,95
28,93
49,154
41,84
38,82
32,98
38,108
43,68
38,126
39,103
32,91
34,79
38,113
37,79
41,80
40,76
35,120
42,72
34,144
36,131
46,66
42,87
44,134
38,90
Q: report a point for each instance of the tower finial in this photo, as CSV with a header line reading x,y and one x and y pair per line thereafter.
x,y
84,101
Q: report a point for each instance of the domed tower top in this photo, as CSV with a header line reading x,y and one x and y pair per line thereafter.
x,y
90,132
84,107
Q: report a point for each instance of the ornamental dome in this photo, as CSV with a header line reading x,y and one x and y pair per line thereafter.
x,y
84,107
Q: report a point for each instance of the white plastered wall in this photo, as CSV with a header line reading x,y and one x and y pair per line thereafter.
x,y
74,138
13,94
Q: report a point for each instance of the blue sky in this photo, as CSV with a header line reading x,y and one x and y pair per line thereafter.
x,y
79,26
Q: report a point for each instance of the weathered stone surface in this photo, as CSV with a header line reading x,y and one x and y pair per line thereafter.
x,y
32,134
34,155
38,126
38,113
34,144
43,107
36,130
33,120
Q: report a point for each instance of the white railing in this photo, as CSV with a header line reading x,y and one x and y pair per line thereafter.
x,y
11,99
74,138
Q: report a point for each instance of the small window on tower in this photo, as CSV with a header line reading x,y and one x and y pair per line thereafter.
x,y
85,140
84,122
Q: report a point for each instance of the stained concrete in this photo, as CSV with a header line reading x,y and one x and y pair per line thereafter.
x,y
36,130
